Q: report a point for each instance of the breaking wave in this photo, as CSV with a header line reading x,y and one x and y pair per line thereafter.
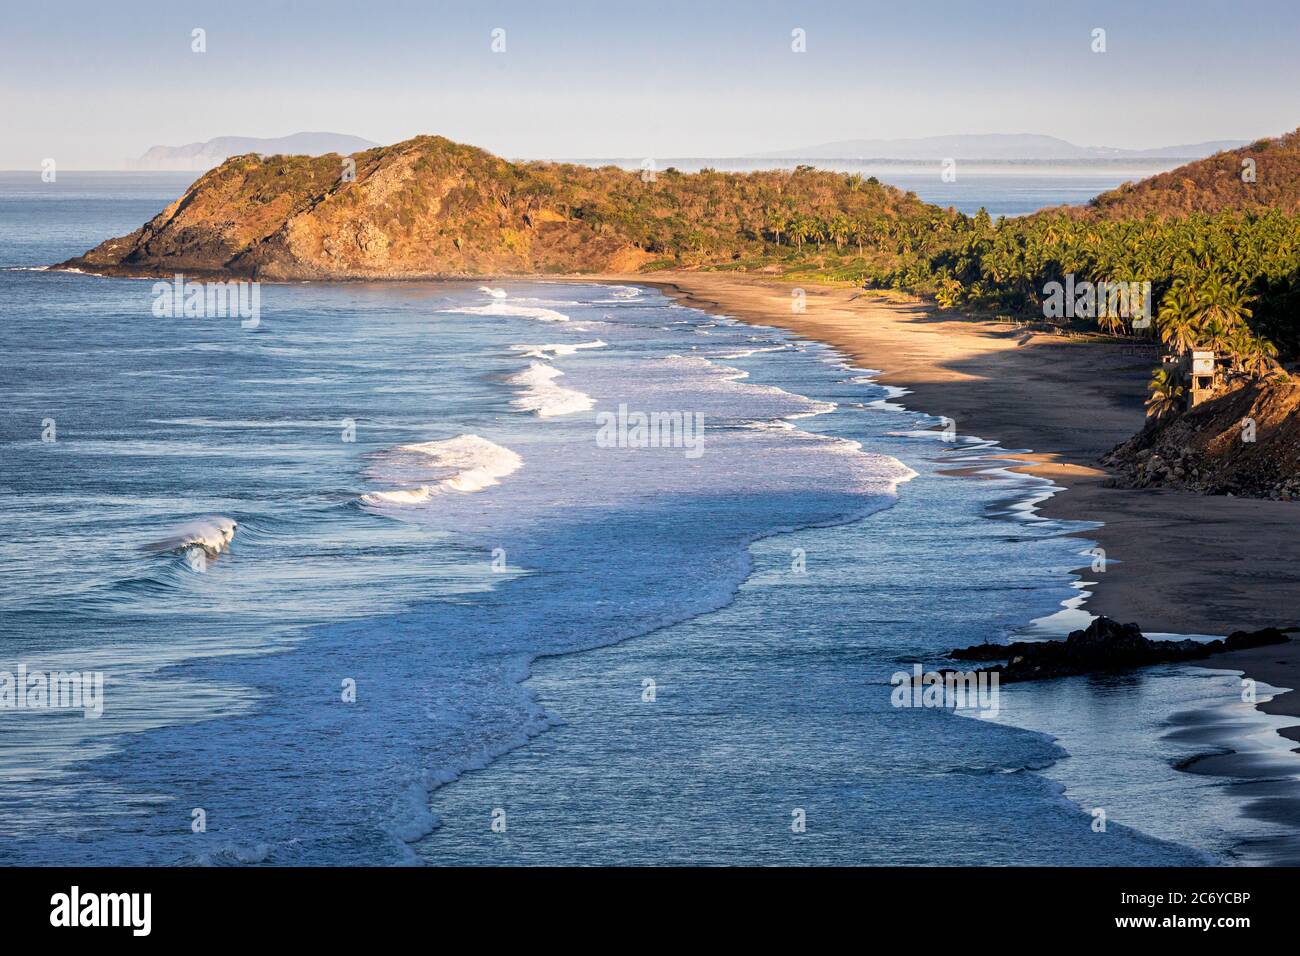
x,y
552,350
541,395
212,533
466,463
499,308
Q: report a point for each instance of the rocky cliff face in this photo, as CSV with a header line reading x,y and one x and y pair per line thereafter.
x,y
431,208
425,207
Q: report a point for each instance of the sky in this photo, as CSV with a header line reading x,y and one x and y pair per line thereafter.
x,y
91,84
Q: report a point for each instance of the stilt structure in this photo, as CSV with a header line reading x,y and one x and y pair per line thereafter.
x,y
1201,377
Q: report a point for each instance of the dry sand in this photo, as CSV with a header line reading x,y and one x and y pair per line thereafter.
x,y
1176,562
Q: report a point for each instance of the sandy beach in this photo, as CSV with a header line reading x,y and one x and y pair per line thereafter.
x,y
1175,562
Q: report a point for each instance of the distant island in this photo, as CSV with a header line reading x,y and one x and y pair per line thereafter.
x,y
196,157
991,146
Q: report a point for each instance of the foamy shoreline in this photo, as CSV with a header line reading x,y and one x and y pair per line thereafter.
x,y
1068,401
1030,390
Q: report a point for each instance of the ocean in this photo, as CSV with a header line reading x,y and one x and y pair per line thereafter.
x,y
532,572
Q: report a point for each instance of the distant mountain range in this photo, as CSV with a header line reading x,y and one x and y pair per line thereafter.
x,y
198,157
201,156
998,146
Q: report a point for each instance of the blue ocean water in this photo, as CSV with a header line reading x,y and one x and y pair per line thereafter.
x,y
456,624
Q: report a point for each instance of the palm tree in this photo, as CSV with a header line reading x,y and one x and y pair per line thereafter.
x,y
861,233
778,222
948,294
1217,300
1216,335
1112,323
1166,394
1240,345
1111,320
1254,355
818,234
839,230
1177,329
801,229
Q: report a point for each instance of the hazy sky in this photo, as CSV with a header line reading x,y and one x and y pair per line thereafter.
x,y
92,83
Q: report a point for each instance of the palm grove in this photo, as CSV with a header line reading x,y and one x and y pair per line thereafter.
x,y
1224,281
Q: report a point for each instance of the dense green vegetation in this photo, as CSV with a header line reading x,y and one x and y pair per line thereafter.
x,y
1226,282
1218,240
711,216
1220,250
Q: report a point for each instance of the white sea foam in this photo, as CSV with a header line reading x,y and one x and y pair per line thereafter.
x,y
548,351
212,533
746,353
499,308
474,463
542,396
881,474
495,293
800,405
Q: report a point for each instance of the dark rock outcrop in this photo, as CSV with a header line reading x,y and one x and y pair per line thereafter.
x,y
1105,645
1244,442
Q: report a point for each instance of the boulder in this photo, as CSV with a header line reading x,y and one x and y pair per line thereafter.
x,y
1104,645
